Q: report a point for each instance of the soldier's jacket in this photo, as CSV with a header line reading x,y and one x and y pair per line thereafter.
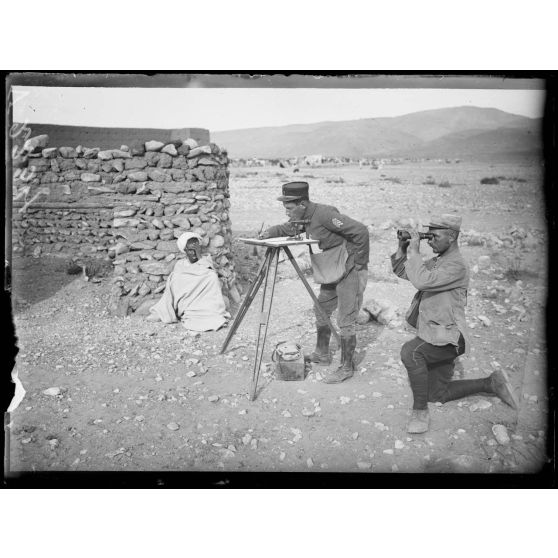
x,y
330,228
442,283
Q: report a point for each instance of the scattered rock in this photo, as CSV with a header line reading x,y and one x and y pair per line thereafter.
x,y
381,311
170,149
173,426
154,145
53,391
501,434
113,454
399,444
190,142
91,153
35,144
105,155
480,406
364,465
213,398
484,320
50,152
297,434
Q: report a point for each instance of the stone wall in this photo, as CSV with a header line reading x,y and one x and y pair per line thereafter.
x,y
129,205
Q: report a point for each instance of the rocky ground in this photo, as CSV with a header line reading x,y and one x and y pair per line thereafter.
x,y
111,393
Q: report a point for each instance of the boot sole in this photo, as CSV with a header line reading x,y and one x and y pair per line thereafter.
x,y
420,430
509,391
336,381
318,361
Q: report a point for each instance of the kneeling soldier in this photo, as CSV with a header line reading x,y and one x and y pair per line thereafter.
x,y
438,313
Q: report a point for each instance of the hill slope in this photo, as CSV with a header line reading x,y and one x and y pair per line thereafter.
x,y
433,133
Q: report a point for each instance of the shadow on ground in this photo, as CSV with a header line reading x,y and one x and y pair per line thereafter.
x,y
36,279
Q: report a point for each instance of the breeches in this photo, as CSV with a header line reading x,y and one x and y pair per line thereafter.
x,y
430,369
345,296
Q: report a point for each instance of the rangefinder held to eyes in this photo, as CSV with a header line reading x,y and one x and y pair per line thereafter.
x,y
405,235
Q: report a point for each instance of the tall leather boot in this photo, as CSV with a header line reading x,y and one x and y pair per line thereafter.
x,y
347,368
321,354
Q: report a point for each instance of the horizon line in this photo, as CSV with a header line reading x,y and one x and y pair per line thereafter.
x,y
280,125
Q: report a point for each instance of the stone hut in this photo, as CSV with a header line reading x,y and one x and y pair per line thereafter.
x,y
128,205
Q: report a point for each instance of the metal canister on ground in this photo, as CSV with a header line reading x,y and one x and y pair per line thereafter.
x,y
289,361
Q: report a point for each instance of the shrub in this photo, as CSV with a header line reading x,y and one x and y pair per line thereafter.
x,y
444,184
516,270
490,180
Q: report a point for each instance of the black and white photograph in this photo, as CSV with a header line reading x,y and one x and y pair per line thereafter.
x,y
283,273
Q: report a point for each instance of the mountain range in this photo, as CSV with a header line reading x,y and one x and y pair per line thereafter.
x,y
468,133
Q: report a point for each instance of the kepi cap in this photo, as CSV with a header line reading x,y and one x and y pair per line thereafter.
x,y
294,191
445,221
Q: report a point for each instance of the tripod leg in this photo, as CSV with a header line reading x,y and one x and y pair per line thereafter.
x,y
252,291
311,292
264,321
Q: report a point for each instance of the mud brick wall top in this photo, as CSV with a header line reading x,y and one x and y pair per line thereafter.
x,y
106,138
128,204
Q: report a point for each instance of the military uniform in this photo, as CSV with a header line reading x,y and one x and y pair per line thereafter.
x,y
331,228
438,313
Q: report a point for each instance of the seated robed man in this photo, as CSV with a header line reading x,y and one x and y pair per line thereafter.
x,y
193,293
438,313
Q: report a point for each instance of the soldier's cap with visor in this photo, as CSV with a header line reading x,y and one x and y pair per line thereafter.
x,y
445,221
294,191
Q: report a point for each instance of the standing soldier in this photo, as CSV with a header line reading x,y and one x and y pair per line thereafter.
x,y
341,268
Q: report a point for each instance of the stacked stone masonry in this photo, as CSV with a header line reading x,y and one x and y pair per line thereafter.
x,y
128,204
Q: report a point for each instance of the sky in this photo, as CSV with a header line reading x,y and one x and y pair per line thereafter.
x,y
233,108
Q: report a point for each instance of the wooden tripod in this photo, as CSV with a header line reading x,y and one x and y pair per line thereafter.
x,y
271,260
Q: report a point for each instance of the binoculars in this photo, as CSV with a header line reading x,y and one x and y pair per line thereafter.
x,y
405,235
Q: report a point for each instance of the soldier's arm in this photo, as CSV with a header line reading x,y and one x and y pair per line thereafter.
x,y
284,229
398,265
